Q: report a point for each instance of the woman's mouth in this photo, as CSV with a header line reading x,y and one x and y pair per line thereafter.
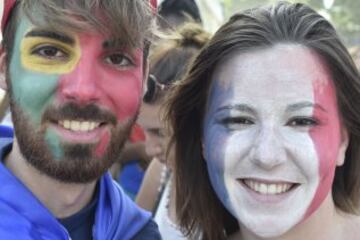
x,y
268,191
267,188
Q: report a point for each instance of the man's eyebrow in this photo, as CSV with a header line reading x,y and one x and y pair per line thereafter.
x,y
300,105
112,44
52,35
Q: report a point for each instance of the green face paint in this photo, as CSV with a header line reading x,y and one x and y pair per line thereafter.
x,y
53,142
32,91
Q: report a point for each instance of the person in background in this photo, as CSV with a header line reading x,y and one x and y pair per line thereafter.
x,y
266,127
129,170
174,13
74,72
168,64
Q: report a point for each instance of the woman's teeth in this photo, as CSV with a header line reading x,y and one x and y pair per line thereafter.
x,y
267,188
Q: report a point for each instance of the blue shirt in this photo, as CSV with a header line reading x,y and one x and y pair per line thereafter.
x,y
24,217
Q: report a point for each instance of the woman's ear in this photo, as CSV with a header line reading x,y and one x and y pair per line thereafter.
x,y
343,146
3,84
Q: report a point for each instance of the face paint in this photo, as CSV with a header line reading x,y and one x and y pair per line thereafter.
x,y
100,81
327,145
74,98
267,132
105,79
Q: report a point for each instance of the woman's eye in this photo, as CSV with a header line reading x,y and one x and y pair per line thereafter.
x,y
302,122
118,59
50,52
233,122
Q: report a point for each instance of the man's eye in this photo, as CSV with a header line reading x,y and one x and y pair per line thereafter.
x,y
50,52
302,122
118,60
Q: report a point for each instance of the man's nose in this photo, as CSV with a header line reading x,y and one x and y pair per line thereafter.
x,y
268,150
81,85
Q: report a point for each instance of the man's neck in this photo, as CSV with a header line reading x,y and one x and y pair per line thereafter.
x,y
62,199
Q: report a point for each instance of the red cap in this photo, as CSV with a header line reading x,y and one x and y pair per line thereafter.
x,y
8,5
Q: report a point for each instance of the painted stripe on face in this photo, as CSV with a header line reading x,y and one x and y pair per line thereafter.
x,y
327,140
32,90
215,142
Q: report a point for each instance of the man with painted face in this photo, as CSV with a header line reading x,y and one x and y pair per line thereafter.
x,y
74,72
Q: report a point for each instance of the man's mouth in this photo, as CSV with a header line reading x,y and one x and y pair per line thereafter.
x,y
80,131
268,188
79,126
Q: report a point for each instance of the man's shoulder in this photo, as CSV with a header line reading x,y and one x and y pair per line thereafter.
x,y
149,232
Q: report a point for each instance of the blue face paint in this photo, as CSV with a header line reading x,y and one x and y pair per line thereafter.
x,y
215,137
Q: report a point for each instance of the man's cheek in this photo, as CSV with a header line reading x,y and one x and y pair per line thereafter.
x,y
34,92
127,105
125,96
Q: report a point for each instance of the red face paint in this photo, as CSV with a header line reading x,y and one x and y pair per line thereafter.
x,y
102,145
107,77
115,87
326,140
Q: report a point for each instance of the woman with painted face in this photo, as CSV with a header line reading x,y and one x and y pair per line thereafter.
x,y
266,127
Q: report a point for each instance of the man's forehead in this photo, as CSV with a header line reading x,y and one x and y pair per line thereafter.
x,y
10,4
69,36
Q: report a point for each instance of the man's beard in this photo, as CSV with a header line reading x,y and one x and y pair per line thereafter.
x,y
79,164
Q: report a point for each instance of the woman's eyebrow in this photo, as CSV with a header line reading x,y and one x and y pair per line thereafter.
x,y
297,106
239,107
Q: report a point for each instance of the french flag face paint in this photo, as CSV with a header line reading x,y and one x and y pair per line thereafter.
x,y
272,137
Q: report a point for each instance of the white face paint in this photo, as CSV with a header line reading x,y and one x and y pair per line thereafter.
x,y
270,113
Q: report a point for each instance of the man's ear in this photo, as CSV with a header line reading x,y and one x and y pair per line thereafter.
x,y
146,70
3,67
343,147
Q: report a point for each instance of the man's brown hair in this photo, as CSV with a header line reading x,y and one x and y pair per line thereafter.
x,y
131,22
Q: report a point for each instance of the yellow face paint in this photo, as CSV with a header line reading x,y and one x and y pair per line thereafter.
x,y
32,57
